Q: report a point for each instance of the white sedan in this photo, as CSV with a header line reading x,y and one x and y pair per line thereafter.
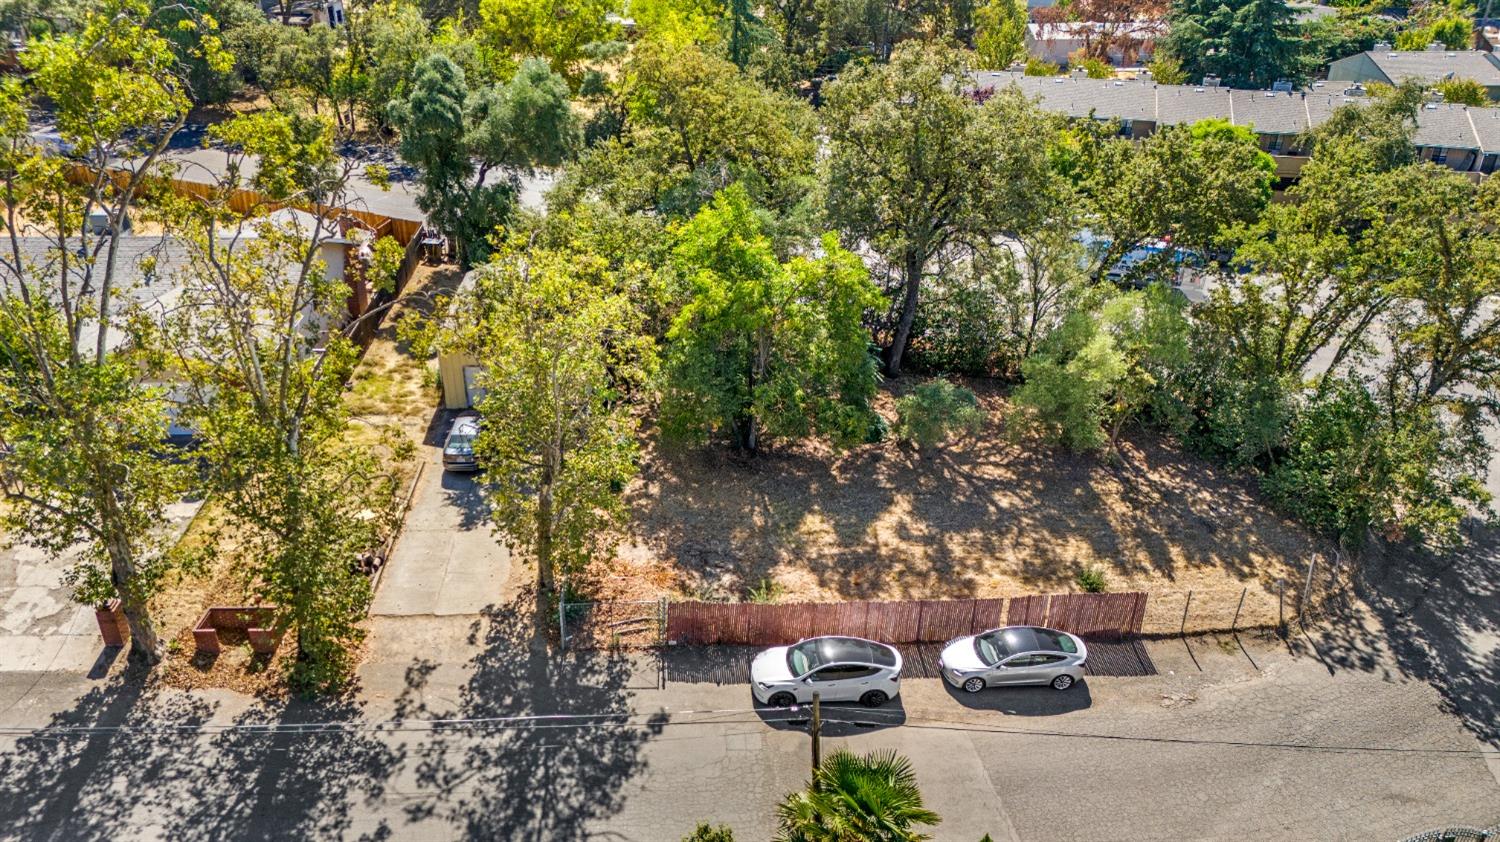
x,y
1014,655
839,669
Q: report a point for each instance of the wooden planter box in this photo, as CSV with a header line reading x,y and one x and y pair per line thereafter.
x,y
257,621
112,624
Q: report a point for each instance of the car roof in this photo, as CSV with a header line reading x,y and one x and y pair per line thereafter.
x,y
855,650
464,424
1018,639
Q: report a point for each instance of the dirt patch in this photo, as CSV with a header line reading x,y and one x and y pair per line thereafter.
x,y
178,607
980,517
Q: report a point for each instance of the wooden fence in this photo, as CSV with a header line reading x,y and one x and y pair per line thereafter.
x,y
920,621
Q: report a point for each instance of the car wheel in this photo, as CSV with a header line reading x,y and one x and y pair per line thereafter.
x,y
782,700
873,699
974,685
1062,682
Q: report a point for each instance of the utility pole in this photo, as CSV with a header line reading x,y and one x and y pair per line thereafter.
x,y
817,732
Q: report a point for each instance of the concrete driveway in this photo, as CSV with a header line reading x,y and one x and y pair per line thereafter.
x,y
41,628
447,560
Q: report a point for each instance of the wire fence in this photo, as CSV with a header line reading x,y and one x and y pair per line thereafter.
x,y
1318,588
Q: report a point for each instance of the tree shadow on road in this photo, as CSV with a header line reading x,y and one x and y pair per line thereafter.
x,y
128,758
1440,620
290,769
93,766
540,743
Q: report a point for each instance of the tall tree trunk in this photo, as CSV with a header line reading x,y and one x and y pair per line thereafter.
x,y
144,643
545,581
913,282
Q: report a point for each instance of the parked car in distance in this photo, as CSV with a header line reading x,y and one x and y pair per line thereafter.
x,y
458,447
838,669
1014,655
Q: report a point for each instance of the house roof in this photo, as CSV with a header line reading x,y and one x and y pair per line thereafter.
x,y
1432,65
146,273
1267,112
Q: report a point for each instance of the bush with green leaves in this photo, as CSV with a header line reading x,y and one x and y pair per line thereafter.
x,y
1351,468
936,411
706,832
1091,580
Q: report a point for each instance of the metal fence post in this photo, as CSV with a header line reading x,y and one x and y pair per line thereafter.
x,y
1235,624
1306,589
1185,607
562,618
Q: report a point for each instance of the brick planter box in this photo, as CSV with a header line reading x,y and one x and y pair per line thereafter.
x,y
256,621
112,625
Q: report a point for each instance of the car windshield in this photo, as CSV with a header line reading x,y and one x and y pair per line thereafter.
x,y
461,442
804,658
994,647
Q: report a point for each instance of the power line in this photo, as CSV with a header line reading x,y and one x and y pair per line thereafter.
x,y
724,716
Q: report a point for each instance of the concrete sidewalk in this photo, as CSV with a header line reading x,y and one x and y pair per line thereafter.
x,y
447,560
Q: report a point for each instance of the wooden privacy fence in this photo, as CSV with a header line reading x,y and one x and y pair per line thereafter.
x,y
920,621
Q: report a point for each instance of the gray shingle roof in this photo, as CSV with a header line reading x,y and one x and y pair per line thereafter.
x,y
1439,124
1431,65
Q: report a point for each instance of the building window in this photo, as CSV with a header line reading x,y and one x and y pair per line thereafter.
x,y
1273,144
1440,155
1127,127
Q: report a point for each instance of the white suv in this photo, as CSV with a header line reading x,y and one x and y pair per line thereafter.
x,y
839,669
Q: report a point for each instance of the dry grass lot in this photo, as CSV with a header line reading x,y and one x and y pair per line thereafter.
x,y
979,517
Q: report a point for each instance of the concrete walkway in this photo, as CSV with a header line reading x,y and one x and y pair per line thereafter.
x,y
447,560
41,627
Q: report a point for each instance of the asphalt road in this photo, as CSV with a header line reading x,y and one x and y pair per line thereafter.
x,y
464,729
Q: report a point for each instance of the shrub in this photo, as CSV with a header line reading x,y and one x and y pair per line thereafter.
x,y
1091,580
1095,68
1037,67
768,592
935,411
706,833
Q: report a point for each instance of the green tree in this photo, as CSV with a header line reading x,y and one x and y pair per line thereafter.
x,y
935,411
1185,185
1247,43
1095,68
550,29
1454,33
710,833
1000,36
472,146
1166,70
871,798
562,352
903,159
1038,67
1095,373
1463,92
695,125
1351,468
764,348
261,335
80,421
